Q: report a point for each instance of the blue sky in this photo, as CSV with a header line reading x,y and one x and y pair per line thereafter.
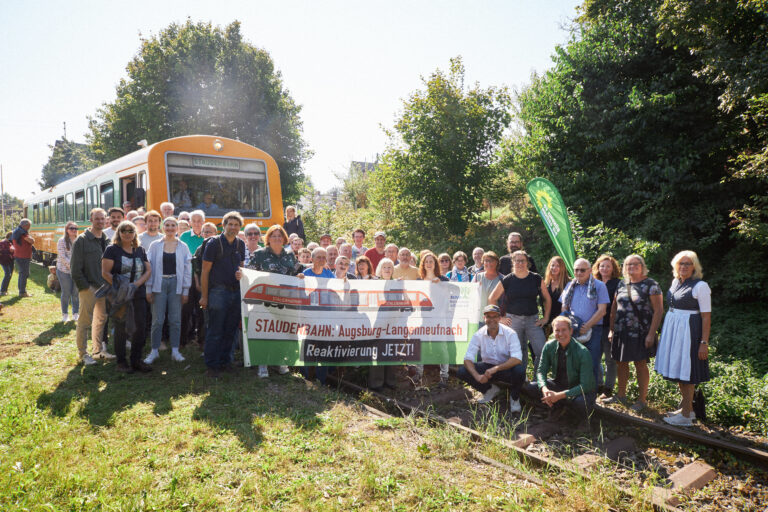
x,y
349,64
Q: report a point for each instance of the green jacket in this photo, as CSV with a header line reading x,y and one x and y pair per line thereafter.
x,y
581,379
85,263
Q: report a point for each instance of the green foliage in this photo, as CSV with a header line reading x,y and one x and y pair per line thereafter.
x,y
68,159
593,241
440,161
196,78
639,129
736,395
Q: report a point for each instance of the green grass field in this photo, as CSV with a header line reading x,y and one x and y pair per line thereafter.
x,y
89,438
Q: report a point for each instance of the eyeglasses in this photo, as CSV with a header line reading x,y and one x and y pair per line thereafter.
x,y
128,231
72,229
685,264
581,270
520,261
253,234
445,260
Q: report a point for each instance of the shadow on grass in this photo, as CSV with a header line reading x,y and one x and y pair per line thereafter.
x,y
58,330
231,403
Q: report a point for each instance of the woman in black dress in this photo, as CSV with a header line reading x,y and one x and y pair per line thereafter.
x,y
555,279
635,317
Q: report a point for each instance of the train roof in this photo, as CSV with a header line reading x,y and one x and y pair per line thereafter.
x,y
79,181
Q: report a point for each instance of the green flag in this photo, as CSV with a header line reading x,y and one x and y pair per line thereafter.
x,y
549,204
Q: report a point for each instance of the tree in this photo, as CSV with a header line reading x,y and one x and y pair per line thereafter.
x,y
442,149
67,159
628,132
194,78
730,39
640,131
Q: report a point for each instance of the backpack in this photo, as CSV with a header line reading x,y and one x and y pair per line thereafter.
x,y
6,252
197,259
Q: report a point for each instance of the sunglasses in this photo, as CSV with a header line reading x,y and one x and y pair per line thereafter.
x,y
71,229
581,270
128,231
251,234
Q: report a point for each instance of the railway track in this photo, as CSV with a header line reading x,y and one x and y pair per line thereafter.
x,y
672,466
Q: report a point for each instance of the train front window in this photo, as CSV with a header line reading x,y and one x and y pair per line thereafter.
x,y
218,185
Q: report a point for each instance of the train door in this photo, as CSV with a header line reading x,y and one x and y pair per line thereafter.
x,y
133,188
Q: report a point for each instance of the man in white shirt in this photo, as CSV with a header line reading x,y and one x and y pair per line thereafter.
x,y
500,360
152,218
116,216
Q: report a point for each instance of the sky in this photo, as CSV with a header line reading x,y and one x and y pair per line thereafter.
x,y
348,64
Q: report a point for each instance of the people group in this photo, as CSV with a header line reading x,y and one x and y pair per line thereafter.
x,y
175,280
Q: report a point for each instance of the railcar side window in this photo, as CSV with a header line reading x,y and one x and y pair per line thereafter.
x,y
80,205
61,212
35,214
107,195
70,207
52,203
91,199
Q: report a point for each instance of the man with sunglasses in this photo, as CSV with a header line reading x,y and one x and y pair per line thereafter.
x,y
587,299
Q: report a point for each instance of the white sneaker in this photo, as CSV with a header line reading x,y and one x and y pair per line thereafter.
x,y
263,372
679,420
514,405
176,355
283,369
490,394
88,360
154,354
127,344
65,318
75,316
104,353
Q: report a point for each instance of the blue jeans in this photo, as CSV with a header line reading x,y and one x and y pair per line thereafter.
x,y
595,347
514,376
69,294
8,271
166,299
22,267
223,321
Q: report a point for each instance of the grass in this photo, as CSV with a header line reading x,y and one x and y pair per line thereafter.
x,y
88,438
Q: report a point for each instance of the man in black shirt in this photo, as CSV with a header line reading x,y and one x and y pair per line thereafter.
x,y
514,243
220,295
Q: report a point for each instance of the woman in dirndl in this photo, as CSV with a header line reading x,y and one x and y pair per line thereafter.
x,y
683,350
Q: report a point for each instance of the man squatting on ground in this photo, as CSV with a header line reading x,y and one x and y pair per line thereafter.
x,y
500,359
572,384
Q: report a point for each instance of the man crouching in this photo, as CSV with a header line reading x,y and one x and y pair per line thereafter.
x,y
500,360
572,383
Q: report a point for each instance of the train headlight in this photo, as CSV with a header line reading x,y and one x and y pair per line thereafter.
x,y
217,145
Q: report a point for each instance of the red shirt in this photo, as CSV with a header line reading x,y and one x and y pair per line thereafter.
x,y
375,257
23,249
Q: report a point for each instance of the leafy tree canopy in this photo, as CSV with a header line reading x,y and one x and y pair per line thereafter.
x,y
626,119
196,78
67,159
439,162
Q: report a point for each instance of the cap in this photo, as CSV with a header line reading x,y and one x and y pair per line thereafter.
x,y
380,233
491,308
